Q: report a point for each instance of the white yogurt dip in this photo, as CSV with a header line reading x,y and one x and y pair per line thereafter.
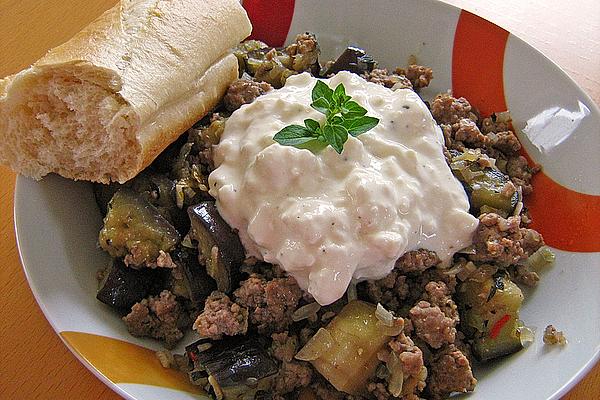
x,y
327,218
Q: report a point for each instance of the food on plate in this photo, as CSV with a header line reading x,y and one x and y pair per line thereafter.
x,y
326,231
103,105
553,336
329,234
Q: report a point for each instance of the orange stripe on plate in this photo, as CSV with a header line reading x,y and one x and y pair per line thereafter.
x,y
124,362
567,219
477,63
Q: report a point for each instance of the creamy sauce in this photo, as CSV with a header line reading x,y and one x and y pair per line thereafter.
x,y
327,218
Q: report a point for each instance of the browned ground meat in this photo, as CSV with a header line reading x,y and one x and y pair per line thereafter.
x,y
449,372
449,110
221,317
521,173
292,376
412,366
389,80
502,241
304,52
271,303
431,325
439,294
244,91
553,336
505,141
390,291
417,261
468,133
284,346
160,317
418,75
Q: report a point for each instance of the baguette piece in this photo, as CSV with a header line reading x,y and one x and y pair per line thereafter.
x,y
103,105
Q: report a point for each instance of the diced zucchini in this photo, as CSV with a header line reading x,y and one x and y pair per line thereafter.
x,y
345,352
219,246
491,314
133,226
483,185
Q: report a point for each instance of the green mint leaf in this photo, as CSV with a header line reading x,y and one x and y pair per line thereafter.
x,y
322,105
360,125
314,145
322,90
352,109
339,95
293,135
312,125
336,136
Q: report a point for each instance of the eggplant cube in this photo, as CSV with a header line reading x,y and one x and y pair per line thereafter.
x,y
350,356
133,226
237,367
219,246
122,286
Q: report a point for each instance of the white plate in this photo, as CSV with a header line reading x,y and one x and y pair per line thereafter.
x,y
57,221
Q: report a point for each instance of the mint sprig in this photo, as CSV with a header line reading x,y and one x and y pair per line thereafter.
x,y
343,117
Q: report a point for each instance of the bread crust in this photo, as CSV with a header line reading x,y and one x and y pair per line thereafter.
x,y
164,62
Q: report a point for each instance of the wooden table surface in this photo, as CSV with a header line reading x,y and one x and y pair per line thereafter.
x,y
34,364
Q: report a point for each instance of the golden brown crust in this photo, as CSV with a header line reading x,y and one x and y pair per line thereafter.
x,y
143,73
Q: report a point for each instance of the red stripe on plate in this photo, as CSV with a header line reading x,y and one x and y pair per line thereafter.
x,y
567,219
477,63
271,20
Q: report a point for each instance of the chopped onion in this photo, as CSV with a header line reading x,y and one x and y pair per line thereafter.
x,y
179,195
388,324
383,315
320,343
306,311
542,257
519,206
187,242
396,379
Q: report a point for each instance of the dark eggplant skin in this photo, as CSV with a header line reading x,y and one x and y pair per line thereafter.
x,y
353,59
198,283
123,286
239,365
210,230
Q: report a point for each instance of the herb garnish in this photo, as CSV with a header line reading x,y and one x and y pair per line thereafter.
x,y
343,116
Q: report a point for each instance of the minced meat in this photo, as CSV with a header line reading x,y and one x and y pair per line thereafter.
x,y
449,372
389,80
502,241
521,173
418,75
431,325
292,376
449,110
221,317
284,346
244,91
417,261
160,317
270,303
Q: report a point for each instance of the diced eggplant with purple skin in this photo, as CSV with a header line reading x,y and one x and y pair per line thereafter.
x,y
219,246
133,227
236,367
198,284
352,59
122,286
